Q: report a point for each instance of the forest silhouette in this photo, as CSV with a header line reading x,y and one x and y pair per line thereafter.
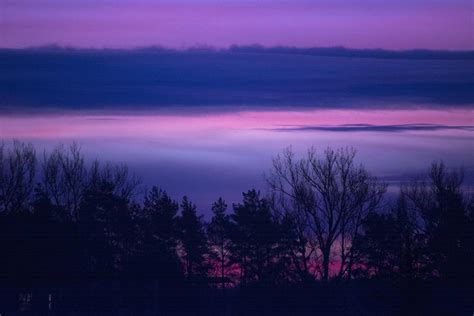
x,y
78,237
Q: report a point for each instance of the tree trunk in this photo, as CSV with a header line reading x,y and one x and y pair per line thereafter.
x,y
222,266
325,264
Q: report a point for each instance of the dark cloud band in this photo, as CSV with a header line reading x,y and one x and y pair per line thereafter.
x,y
377,128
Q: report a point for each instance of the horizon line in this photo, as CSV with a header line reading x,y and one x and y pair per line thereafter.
x,y
336,51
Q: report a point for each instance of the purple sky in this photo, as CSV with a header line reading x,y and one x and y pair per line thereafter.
x,y
389,24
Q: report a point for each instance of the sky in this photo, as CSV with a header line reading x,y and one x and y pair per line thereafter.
x,y
224,154
206,123
390,24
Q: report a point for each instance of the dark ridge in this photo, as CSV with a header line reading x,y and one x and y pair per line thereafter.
x,y
337,51
341,51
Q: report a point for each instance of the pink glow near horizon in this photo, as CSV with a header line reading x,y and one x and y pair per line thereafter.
x,y
177,126
183,153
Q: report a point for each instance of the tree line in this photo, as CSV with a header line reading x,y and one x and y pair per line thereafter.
x,y
77,237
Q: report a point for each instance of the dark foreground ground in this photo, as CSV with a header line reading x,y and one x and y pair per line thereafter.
x,y
356,298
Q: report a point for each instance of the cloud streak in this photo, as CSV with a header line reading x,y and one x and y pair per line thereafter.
x,y
377,128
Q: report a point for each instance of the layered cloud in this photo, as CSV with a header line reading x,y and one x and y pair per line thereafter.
x,y
235,79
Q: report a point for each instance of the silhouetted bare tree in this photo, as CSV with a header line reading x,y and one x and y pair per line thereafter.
x,y
17,175
329,194
66,178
